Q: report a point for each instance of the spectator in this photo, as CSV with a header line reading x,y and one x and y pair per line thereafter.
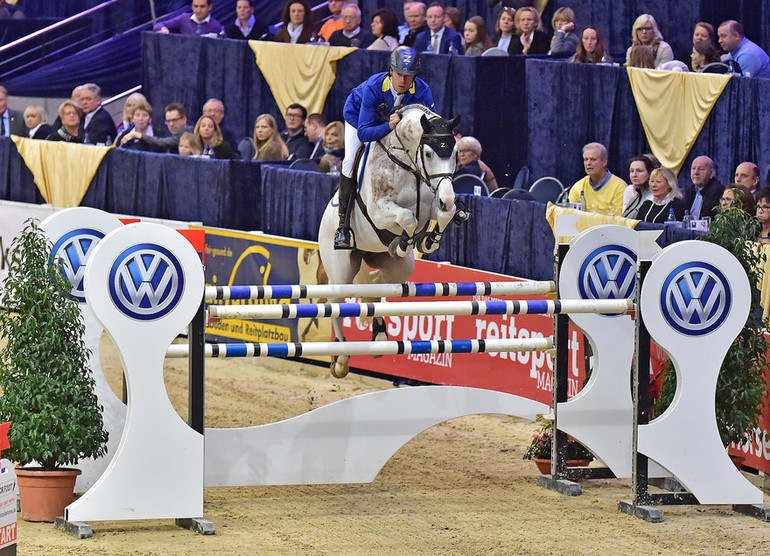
x,y
351,33
590,49
476,36
245,26
703,32
70,131
565,40
9,11
11,121
141,116
190,144
34,118
763,214
268,145
214,146
531,40
297,23
469,158
736,195
703,199
176,122
415,17
641,56
703,54
437,38
333,23
753,60
638,191
603,190
198,23
747,175
215,108
74,97
294,134
334,139
128,110
314,130
385,28
453,18
505,27
98,125
645,32
664,196
329,163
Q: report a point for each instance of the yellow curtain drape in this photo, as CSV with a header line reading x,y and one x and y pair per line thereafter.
x,y
673,107
586,220
764,284
62,171
540,5
298,73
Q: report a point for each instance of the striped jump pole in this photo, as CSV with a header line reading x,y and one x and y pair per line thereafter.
x,y
251,349
335,291
411,308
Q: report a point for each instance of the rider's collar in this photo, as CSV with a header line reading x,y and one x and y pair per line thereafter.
x,y
386,85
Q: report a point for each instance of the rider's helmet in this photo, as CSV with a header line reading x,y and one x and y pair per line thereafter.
x,y
405,60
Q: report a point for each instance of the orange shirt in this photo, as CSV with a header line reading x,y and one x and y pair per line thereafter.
x,y
330,27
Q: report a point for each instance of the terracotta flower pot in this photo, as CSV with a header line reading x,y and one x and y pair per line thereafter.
x,y
45,494
577,462
543,465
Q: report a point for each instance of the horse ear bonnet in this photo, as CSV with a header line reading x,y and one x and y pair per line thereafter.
x,y
405,60
437,134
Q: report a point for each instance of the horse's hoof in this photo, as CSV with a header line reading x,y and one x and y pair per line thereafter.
x,y
339,371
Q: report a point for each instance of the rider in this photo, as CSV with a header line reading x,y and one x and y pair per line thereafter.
x,y
369,116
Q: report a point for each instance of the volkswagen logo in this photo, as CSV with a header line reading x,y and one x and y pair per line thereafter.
x,y
695,298
146,281
73,250
608,272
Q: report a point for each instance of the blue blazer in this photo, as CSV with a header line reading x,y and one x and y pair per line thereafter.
x,y
451,43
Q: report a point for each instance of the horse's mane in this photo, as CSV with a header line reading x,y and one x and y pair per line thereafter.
x,y
409,128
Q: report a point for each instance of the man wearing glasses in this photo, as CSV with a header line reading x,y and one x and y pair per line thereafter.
x,y
294,134
176,122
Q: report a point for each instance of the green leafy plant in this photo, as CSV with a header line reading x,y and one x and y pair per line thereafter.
x,y
47,390
540,447
741,385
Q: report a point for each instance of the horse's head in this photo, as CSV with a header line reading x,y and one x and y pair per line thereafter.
x,y
438,157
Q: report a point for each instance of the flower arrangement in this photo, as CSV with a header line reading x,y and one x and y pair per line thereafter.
x,y
540,447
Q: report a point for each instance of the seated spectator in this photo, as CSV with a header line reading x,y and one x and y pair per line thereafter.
x,y
641,56
453,18
351,34
565,40
385,28
297,23
476,36
198,23
190,144
437,38
590,48
128,110
753,60
737,195
703,32
505,27
294,135
530,39
34,118
469,158
214,146
645,32
245,26
268,145
638,191
141,117
665,193
334,22
603,191
9,11
703,199
176,122
314,131
334,139
747,175
11,121
703,54
415,17
97,124
215,108
70,130
330,164
763,214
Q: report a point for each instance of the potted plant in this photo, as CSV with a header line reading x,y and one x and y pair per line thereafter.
x,y
46,384
741,385
539,450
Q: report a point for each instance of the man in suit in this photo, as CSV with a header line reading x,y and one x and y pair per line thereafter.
x,y
438,38
351,34
703,199
98,124
11,121
34,116
747,175
294,134
314,131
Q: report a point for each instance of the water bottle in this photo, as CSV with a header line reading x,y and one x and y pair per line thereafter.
x,y
583,204
687,220
671,218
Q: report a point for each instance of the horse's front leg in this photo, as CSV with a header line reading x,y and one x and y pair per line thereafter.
x,y
389,213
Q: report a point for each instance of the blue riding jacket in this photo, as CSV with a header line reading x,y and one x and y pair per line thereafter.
x,y
369,105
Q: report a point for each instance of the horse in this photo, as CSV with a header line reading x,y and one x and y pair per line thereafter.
x,y
405,183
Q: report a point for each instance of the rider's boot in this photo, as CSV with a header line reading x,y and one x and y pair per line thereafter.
x,y
342,238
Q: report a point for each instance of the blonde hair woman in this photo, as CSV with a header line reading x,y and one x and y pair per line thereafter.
x,y
645,31
132,102
214,146
334,139
529,38
565,39
664,188
267,143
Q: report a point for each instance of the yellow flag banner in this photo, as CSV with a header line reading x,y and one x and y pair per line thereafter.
x,y
298,73
62,171
673,107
